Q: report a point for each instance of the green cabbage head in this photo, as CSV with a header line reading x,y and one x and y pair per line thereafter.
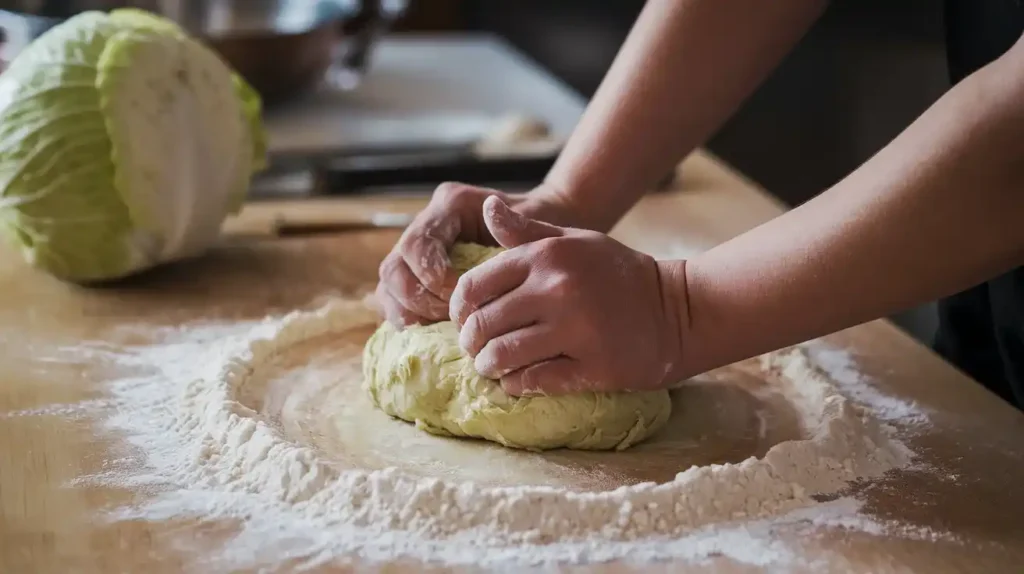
x,y
124,143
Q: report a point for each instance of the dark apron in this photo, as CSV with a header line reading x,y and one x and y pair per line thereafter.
x,y
981,330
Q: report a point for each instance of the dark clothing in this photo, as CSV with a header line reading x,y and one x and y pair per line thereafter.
x,y
981,330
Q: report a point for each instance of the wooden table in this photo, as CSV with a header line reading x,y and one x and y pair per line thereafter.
x,y
973,452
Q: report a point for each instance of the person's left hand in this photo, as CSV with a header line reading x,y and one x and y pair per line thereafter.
x,y
566,310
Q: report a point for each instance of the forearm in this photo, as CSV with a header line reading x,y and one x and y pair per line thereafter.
x,y
684,69
938,210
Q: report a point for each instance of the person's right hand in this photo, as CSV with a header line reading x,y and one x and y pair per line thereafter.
x,y
416,278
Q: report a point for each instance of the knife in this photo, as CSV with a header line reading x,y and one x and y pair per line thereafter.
x,y
322,172
351,174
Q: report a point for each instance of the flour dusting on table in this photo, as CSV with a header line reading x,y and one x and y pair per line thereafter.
x,y
203,453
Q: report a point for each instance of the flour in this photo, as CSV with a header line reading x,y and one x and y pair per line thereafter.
x,y
207,454
843,370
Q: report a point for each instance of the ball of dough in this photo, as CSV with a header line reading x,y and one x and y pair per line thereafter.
x,y
421,375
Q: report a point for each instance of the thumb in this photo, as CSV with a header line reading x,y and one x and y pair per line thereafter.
x,y
559,376
512,229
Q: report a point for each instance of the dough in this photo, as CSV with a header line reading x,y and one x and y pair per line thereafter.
x,y
421,375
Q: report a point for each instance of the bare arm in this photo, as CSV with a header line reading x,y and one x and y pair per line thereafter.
x,y
940,209
684,69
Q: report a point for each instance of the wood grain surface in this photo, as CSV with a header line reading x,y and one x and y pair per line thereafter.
x,y
967,483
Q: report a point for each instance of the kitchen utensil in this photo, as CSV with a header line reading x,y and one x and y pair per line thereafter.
x,y
272,219
317,175
356,173
516,150
324,173
282,47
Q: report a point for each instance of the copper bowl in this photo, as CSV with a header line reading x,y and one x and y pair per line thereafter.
x,y
282,47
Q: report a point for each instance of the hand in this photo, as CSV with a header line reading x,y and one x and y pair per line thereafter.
x,y
567,310
416,279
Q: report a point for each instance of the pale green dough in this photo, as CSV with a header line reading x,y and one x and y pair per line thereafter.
x,y
421,375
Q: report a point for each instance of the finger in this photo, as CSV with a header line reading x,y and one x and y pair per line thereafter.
x,y
404,286
512,229
558,376
485,283
424,246
515,310
372,301
517,350
394,312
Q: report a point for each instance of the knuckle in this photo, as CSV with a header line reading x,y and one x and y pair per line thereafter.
x,y
409,317
485,366
560,251
456,196
407,242
504,350
408,287
480,325
550,252
492,359
434,264
388,265
397,317
429,233
467,287
388,303
535,250
450,191
380,301
415,235
560,285
588,234
401,281
381,295
436,309
471,338
458,306
395,314
416,298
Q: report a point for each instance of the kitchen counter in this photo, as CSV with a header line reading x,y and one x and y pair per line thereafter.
x,y
54,399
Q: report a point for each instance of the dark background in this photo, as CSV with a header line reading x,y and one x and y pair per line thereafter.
x,y
865,71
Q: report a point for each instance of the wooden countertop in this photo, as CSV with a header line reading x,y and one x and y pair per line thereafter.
x,y
972,452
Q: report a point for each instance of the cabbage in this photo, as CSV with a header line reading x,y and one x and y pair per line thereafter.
x,y
124,143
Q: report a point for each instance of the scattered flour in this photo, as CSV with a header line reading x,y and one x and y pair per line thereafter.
x,y
68,411
842,369
203,453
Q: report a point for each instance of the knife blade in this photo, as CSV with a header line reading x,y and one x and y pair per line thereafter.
x,y
320,173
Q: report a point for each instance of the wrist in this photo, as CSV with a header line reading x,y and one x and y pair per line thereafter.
x,y
715,333
676,311
554,205
568,208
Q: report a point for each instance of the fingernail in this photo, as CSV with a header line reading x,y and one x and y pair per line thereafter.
x,y
501,214
486,364
455,305
464,345
486,367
